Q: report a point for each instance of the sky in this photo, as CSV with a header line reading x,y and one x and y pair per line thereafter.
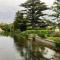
x,y
8,9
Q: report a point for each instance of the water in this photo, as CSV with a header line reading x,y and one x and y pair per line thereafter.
x,y
48,53
9,51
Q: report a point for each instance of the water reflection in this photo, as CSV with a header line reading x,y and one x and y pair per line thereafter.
x,y
11,49
32,51
8,50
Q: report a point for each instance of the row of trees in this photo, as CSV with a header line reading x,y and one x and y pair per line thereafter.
x,y
33,14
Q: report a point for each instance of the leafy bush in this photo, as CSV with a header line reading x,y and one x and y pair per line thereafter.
x,y
20,38
41,33
57,42
56,34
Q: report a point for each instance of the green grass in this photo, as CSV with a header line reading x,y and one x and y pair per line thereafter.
x,y
21,37
52,38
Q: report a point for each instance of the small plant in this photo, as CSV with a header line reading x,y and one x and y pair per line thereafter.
x,y
57,42
56,34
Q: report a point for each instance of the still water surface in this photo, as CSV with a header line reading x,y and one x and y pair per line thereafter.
x,y
9,51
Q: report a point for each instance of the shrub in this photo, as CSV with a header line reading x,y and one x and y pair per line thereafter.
x,y
57,42
22,37
56,34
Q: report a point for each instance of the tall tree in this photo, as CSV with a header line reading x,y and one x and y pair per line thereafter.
x,y
34,10
56,9
20,21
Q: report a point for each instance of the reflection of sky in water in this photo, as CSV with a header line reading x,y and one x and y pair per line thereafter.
x,y
8,50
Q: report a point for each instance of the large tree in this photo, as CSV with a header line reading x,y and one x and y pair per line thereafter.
x,y
34,10
20,21
56,10
56,14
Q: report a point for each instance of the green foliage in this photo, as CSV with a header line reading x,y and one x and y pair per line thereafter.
x,y
34,11
20,38
57,42
56,9
23,26
33,16
41,33
56,34
21,35
19,20
6,28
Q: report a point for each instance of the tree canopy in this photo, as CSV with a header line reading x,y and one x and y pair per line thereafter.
x,y
56,9
34,10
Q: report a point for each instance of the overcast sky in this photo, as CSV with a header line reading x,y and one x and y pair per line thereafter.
x,y
8,9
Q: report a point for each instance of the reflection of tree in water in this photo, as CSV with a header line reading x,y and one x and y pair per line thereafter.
x,y
30,51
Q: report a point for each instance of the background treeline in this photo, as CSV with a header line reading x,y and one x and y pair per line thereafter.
x,y
32,17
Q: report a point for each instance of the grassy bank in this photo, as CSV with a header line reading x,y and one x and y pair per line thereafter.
x,y
22,37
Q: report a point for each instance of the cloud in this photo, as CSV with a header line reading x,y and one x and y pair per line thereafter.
x,y
8,8
48,2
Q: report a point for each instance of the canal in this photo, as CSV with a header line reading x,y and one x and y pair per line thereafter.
x,y
10,51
